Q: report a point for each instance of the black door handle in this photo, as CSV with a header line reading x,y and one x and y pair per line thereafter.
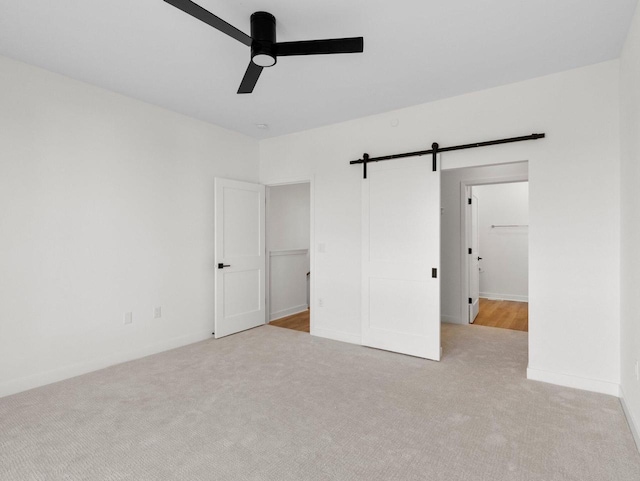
x,y
479,258
222,266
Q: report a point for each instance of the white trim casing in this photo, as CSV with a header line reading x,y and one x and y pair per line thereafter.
x,y
633,424
504,297
451,319
288,312
290,252
42,379
337,335
576,382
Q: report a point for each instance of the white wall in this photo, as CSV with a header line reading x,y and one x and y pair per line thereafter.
x,y
288,283
288,216
504,271
288,224
574,333
452,307
106,207
630,139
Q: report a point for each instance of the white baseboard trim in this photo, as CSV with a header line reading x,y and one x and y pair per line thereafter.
x,y
567,380
337,335
42,379
504,297
290,252
633,424
288,312
451,320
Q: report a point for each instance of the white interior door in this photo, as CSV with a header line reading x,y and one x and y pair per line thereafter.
x,y
401,256
239,256
474,263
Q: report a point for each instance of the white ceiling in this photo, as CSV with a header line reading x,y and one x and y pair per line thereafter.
x,y
415,51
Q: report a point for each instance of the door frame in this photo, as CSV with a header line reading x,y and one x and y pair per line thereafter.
x,y
312,258
465,229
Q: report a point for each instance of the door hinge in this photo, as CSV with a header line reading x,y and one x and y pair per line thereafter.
x,y
469,201
470,250
434,273
470,301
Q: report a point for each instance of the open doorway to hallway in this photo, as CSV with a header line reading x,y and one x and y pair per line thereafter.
x,y
288,215
485,273
497,232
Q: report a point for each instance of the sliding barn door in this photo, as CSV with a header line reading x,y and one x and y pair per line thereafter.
x,y
401,257
239,256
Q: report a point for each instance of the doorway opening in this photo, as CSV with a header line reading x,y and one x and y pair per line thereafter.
x,y
484,239
288,234
497,223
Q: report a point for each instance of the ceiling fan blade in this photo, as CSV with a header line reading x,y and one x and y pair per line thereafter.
x,y
320,47
209,18
250,78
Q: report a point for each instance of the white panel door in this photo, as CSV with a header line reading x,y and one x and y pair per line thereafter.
x,y
401,249
239,256
474,263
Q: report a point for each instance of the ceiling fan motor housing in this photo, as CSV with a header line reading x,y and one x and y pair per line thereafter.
x,y
263,33
264,49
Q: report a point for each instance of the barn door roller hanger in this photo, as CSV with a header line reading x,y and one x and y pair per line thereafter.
x,y
436,149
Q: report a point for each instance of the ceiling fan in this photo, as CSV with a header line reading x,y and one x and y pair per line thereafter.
x,y
264,48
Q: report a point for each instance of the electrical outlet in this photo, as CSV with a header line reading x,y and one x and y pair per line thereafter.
x,y
320,302
128,318
157,313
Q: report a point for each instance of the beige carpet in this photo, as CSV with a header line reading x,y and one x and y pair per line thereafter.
x,y
275,404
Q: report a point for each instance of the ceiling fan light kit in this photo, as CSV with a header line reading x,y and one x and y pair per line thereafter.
x,y
264,48
263,33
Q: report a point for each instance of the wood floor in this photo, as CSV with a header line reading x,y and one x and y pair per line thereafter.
x,y
504,314
297,322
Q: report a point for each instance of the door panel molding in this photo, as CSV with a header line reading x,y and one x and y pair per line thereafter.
x,y
240,268
400,248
